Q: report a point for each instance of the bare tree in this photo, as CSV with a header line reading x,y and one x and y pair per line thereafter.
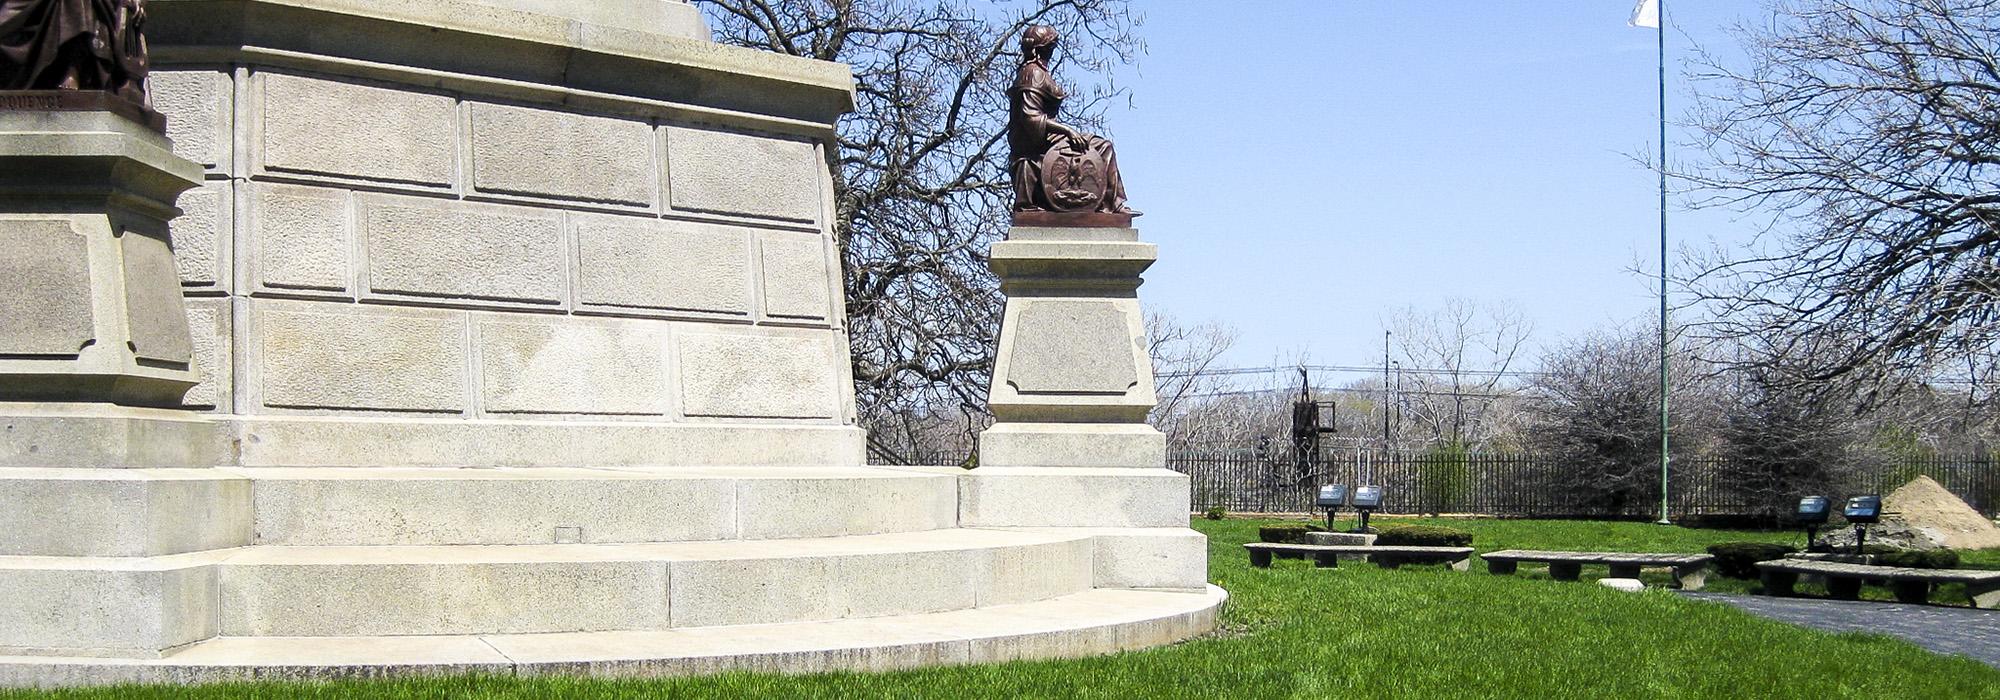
x,y
921,179
1595,411
1184,359
1870,131
1456,360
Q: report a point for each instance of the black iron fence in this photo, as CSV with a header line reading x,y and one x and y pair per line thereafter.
x,y
1516,485
1248,479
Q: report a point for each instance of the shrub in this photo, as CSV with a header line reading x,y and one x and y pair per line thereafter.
x,y
1287,534
1444,478
1214,513
1933,559
1739,559
1423,536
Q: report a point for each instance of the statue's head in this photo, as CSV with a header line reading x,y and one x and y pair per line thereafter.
x,y
1039,41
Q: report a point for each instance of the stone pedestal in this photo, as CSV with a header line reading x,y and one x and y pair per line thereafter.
x,y
1072,385
88,284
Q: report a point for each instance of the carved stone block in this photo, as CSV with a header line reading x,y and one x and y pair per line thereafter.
x,y
155,315
732,173
371,361
201,234
518,150
302,238
44,288
583,369
209,325
1073,347
197,104
466,251
753,376
795,275
633,264
327,127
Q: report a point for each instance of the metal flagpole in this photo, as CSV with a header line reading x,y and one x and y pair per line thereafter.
x,y
1665,455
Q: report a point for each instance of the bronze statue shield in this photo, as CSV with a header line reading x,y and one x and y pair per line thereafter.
x,y
1073,180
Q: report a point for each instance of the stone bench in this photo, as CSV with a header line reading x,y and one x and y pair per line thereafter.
x,y
1843,581
1690,570
1327,556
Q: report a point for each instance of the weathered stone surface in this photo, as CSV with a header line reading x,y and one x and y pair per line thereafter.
x,y
104,612
200,234
51,435
1172,557
338,128
321,506
469,251
44,288
154,312
197,104
588,369
1348,539
777,508
288,441
290,592
362,361
520,150
209,325
732,173
795,276
628,263
753,376
302,238
1073,347
121,512
1072,497
1036,572
1072,445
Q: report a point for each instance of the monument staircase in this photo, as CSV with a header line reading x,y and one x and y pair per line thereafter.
x,y
514,344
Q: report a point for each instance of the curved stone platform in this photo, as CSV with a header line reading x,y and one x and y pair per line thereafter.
x,y
1080,624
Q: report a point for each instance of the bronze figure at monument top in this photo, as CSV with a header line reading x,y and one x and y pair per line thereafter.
x,y
1062,176
75,54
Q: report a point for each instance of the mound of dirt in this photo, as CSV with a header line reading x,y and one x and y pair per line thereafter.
x,y
1926,506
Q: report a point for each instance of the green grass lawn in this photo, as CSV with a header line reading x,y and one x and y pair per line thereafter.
x,y
1419,632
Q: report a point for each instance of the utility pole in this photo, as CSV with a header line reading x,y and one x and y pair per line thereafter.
x,y
1666,455
1385,392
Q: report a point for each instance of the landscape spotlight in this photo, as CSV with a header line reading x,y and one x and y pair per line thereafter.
x,y
1812,513
1862,510
1331,497
1366,499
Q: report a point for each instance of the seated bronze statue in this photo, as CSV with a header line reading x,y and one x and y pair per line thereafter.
x,y
85,45
1062,176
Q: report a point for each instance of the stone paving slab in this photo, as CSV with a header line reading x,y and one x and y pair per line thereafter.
x,y
1963,631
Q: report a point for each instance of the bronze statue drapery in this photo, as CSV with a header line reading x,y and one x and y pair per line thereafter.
x,y
1055,167
74,45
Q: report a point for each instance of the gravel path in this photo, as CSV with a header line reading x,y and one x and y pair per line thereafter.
x,y
1962,631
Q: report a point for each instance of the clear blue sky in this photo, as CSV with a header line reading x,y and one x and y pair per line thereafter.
x,y
1309,167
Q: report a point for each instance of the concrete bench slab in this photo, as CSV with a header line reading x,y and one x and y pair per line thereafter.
x,y
1690,570
1388,557
1843,580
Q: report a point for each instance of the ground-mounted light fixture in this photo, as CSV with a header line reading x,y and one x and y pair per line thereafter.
x,y
1862,511
1331,498
1366,499
1812,513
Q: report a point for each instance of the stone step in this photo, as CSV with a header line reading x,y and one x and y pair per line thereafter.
x,y
151,512
1079,624
143,606
439,506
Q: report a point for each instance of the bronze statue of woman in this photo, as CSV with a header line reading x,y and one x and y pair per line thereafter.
x,y
1055,167
74,45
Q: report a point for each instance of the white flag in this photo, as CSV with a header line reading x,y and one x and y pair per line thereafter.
x,y
1646,14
